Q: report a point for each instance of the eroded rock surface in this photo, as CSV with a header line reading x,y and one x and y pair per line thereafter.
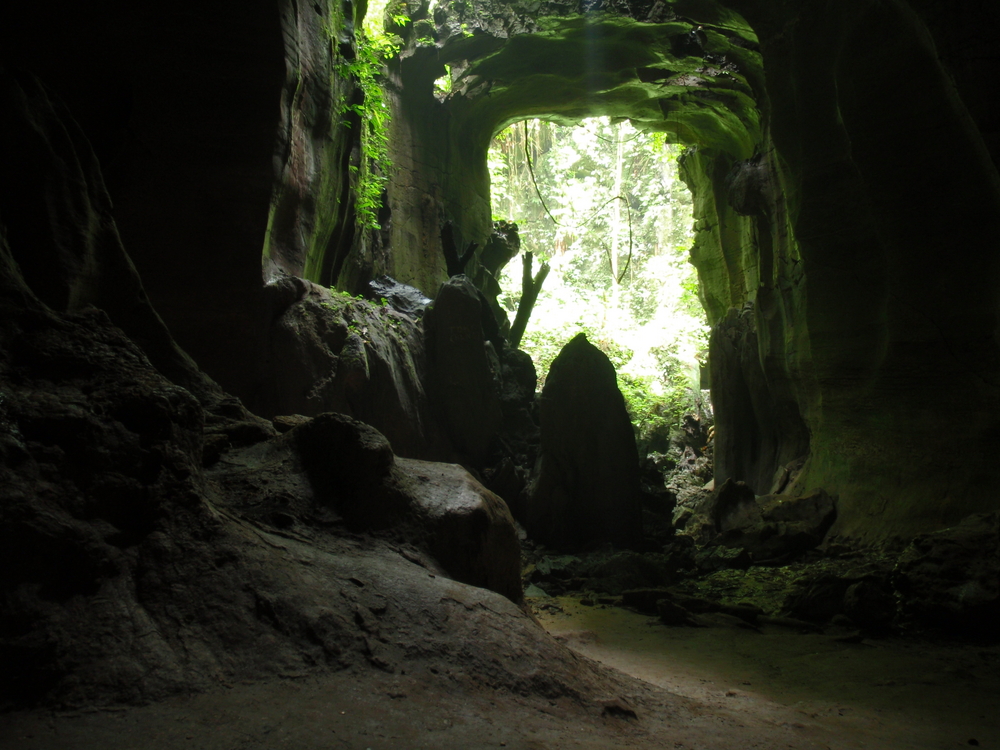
x,y
132,573
950,579
334,471
464,377
769,528
781,527
335,352
585,486
465,527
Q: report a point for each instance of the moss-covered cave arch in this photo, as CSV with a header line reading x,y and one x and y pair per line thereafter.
x,y
816,231
696,79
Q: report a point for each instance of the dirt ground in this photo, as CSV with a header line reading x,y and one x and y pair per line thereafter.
x,y
838,690
697,689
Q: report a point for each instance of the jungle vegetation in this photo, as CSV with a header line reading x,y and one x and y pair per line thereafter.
x,y
604,206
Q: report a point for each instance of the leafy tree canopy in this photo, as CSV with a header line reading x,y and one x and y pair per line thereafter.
x,y
603,204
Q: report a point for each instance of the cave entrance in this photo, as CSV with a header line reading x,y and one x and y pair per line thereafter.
x,y
604,206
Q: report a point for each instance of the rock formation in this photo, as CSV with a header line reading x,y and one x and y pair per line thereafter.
x,y
130,572
464,370
336,352
585,487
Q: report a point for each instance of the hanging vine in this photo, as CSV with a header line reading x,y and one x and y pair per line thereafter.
x,y
621,197
372,115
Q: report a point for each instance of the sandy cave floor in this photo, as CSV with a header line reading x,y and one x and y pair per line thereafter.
x,y
841,691
709,688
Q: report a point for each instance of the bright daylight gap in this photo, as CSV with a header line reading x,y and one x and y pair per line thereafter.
x,y
619,268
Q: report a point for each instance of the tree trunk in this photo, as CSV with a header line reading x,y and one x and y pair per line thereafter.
x,y
530,287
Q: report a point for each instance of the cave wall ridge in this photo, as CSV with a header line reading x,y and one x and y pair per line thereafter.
x,y
311,224
883,340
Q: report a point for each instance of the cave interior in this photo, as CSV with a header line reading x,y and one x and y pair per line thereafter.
x,y
224,460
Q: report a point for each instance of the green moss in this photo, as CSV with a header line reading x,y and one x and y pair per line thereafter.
x,y
372,174
577,67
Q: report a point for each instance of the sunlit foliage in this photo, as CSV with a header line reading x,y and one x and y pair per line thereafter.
x,y
608,211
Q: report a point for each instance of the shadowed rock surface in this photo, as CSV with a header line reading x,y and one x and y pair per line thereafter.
x,y
334,352
585,486
950,579
113,533
464,377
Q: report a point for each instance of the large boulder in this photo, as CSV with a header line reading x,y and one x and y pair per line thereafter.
x,y
771,528
585,486
335,469
465,527
732,506
950,579
332,352
401,297
785,528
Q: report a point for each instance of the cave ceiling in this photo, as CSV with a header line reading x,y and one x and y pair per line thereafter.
x,y
695,77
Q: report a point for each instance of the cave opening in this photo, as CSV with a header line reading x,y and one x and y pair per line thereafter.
x,y
603,206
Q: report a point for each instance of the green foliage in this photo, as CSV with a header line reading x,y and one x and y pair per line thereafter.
x,y
650,412
373,48
575,170
340,300
618,249
619,354
442,86
372,174
344,296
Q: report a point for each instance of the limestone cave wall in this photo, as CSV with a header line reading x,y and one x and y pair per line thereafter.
x,y
311,224
865,308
